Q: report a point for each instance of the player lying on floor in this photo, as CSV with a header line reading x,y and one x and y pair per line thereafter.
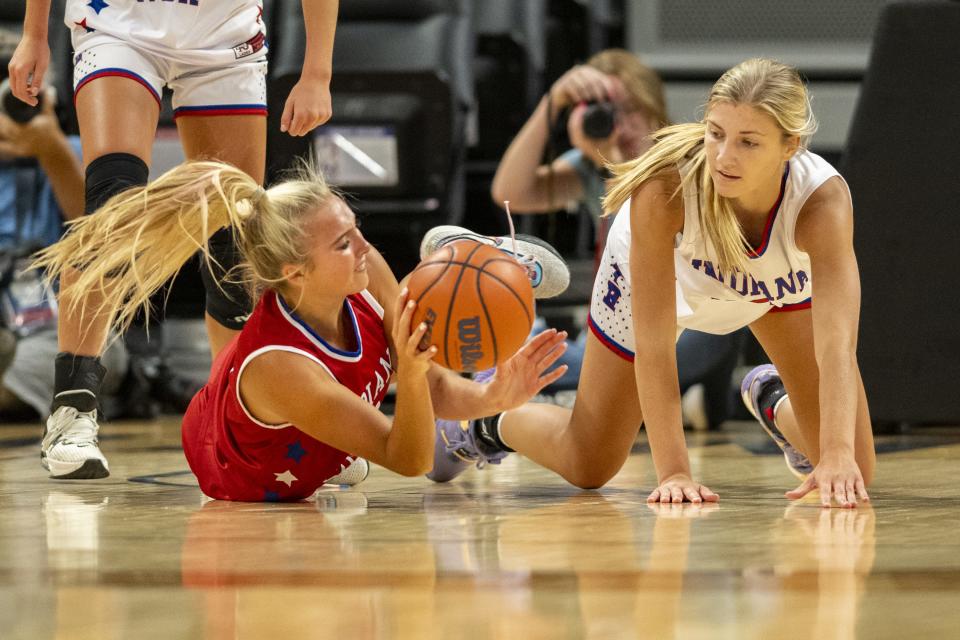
x,y
293,400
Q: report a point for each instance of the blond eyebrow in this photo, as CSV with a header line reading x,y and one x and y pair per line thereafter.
x,y
345,233
743,133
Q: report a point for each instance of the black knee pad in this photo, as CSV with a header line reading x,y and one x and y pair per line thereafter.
x,y
111,174
228,302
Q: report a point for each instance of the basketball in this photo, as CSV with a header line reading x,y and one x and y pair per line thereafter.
x,y
477,303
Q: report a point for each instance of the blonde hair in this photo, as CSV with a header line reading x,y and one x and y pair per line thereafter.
x,y
643,85
766,85
142,237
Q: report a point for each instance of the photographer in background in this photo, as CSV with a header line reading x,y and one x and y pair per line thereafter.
x,y
609,106
612,103
41,186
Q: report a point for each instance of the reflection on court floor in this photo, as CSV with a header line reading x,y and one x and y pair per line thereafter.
x,y
509,552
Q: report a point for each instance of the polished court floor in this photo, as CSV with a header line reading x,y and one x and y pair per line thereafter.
x,y
506,552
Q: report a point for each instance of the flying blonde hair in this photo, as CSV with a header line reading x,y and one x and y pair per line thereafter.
x,y
767,85
141,237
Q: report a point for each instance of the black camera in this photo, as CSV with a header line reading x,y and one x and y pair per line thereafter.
x,y
599,120
17,110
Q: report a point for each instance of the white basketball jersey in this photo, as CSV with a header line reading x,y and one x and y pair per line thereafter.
x,y
779,275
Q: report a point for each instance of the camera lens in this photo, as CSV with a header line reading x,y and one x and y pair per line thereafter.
x,y
598,120
17,111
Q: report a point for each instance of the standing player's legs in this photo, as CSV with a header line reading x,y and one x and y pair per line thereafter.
x,y
221,115
241,141
589,445
118,115
787,339
118,118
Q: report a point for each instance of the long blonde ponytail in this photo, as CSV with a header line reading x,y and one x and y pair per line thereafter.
x,y
142,237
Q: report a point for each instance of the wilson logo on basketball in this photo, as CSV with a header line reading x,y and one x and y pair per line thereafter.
x,y
471,343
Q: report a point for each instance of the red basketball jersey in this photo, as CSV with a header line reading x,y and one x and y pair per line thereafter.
x,y
237,457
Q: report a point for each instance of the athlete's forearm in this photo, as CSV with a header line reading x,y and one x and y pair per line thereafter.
x,y
838,401
320,20
409,445
659,397
516,176
457,398
35,19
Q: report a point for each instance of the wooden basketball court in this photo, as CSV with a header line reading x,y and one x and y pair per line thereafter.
x,y
506,552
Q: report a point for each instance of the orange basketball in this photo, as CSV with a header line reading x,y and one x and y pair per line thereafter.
x,y
477,302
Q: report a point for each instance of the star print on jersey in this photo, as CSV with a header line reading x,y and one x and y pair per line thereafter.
x,y
286,477
97,5
83,23
295,451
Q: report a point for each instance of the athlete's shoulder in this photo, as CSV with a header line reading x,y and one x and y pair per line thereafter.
x,y
659,201
826,214
382,286
273,377
832,192
808,170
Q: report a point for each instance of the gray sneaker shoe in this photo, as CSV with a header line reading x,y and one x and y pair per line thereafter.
x,y
763,406
70,449
456,449
548,272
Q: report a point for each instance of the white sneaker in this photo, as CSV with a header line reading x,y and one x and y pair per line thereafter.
x,y
70,449
351,475
549,274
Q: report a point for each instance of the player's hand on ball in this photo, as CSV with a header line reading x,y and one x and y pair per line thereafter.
x,y
412,360
525,374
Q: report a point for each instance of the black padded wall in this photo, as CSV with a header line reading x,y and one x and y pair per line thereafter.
x,y
903,170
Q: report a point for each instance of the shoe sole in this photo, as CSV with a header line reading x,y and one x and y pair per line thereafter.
x,y
91,469
550,261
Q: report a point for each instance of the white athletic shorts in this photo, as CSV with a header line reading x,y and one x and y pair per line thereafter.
x,y
611,314
211,53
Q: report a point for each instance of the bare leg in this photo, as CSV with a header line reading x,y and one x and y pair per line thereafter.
x,y
788,340
116,115
240,141
588,446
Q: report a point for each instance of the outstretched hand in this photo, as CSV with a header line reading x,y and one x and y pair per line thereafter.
x,y
681,488
525,374
836,477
